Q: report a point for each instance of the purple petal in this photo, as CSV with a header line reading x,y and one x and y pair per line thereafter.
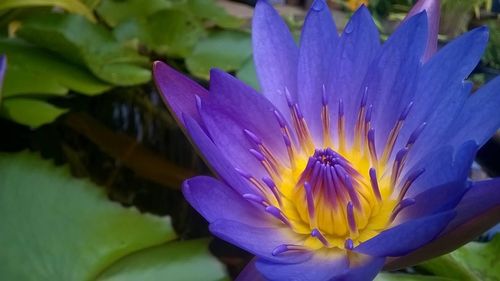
x,y
443,166
260,241
357,47
441,93
317,47
391,81
275,55
320,267
214,157
234,107
250,273
362,268
406,237
479,119
478,211
212,199
434,200
178,92
432,8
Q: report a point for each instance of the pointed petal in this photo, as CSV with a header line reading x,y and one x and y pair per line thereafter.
x,y
178,92
260,241
214,158
357,47
441,93
444,165
390,83
232,108
212,198
433,10
478,211
479,119
406,237
317,47
320,267
275,55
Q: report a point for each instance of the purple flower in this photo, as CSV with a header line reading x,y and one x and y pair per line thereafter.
x,y
356,154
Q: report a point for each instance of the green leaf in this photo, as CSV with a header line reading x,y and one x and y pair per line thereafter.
x,y
186,260
210,11
227,50
74,6
82,42
46,73
407,277
248,75
474,261
169,32
55,227
30,112
117,11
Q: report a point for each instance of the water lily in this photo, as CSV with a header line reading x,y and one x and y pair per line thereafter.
x,y
355,155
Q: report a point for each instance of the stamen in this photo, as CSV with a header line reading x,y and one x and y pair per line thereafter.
x,y
414,136
325,118
374,183
252,137
310,205
349,245
255,198
341,173
358,130
400,206
398,165
409,181
393,135
316,233
268,165
272,186
371,146
260,187
275,212
353,229
198,103
285,248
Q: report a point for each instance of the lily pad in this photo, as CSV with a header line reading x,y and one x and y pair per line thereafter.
x,y
172,32
80,41
227,50
248,74
55,227
408,277
47,74
186,260
474,261
30,112
74,6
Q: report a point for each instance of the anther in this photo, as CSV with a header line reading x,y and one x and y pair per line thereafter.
x,y
400,206
316,233
414,136
398,165
255,198
349,244
374,184
371,146
409,181
272,186
275,212
310,204
285,248
252,137
351,220
341,125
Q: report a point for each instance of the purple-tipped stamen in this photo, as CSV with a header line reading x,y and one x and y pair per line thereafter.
x,y
409,181
349,244
310,204
275,212
414,136
316,233
255,198
252,137
374,183
285,248
400,206
351,220
274,189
